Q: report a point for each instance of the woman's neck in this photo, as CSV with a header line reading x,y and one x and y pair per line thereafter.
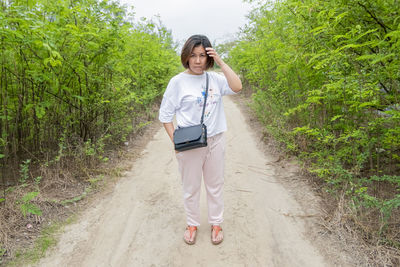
x,y
188,71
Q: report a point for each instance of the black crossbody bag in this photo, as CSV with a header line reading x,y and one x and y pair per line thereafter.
x,y
195,136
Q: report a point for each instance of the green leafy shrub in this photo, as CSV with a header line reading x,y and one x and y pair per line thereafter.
x,y
325,81
27,207
77,73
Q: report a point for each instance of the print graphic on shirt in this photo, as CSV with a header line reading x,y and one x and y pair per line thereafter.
x,y
211,101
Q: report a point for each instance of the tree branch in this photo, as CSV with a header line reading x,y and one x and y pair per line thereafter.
x,y
375,18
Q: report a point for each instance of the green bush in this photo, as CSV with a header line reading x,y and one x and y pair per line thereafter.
x,y
325,77
76,73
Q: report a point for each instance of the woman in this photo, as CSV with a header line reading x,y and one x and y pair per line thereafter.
x,y
184,97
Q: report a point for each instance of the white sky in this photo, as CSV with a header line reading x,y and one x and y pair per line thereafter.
x,y
219,20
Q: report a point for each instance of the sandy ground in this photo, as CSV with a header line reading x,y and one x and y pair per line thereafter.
x,y
141,222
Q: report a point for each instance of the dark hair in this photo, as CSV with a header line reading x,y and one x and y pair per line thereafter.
x,y
190,44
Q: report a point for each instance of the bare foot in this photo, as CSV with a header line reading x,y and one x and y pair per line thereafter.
x,y
217,235
190,235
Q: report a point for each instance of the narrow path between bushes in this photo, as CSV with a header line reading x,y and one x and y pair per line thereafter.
x,y
142,222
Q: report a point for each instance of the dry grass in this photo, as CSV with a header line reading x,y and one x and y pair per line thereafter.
x,y
18,232
345,236
360,235
339,230
62,188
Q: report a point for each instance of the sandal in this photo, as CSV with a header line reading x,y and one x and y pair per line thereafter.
x,y
192,230
217,229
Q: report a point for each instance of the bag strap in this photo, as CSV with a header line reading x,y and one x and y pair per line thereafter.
x,y
205,99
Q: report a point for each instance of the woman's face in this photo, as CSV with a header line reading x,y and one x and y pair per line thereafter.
x,y
197,60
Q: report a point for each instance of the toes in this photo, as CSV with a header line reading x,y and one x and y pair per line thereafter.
x,y
192,239
219,237
187,236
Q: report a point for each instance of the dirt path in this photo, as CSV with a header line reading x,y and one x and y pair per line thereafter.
x,y
141,223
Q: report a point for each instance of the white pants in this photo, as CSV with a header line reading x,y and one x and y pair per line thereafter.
x,y
207,162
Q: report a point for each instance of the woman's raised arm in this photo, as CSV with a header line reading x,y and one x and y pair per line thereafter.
x,y
233,79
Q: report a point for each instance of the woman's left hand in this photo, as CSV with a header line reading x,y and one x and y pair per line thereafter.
x,y
212,53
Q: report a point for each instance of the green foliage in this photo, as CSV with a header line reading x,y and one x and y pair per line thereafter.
x,y
37,180
363,196
2,252
46,240
27,207
76,73
79,197
326,82
24,171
